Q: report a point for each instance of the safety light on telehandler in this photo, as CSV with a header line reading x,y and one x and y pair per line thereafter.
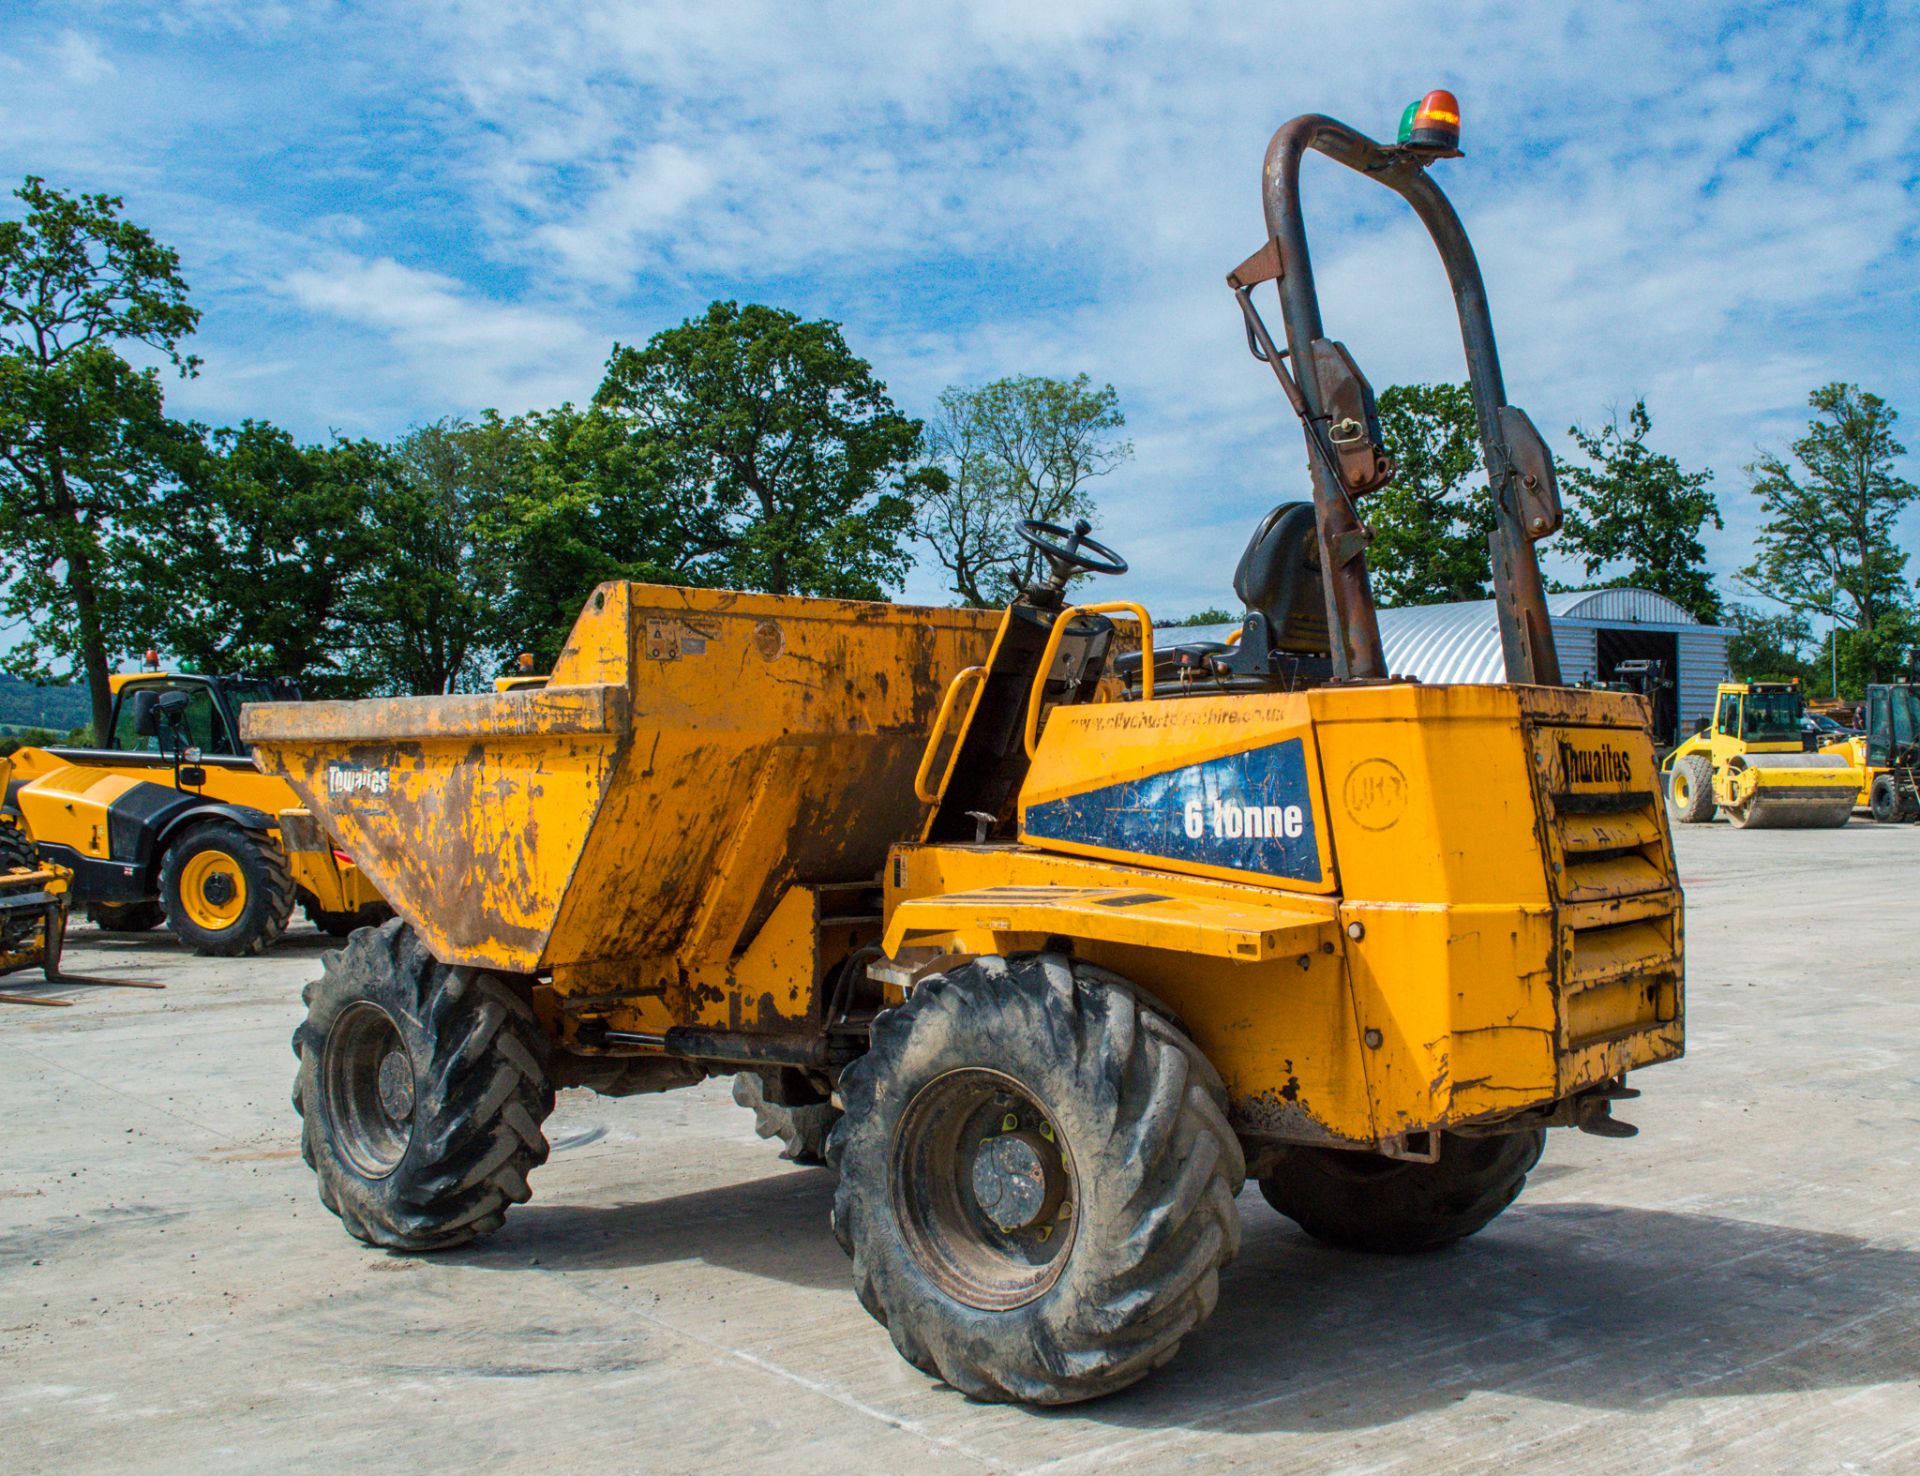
x,y
1432,125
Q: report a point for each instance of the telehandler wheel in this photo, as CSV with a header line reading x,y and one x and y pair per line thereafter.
x,y
802,1131
1363,1201
17,852
126,917
422,1088
1888,804
1036,1180
343,924
1690,789
226,891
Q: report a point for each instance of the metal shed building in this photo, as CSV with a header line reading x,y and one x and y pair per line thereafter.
x,y
1594,631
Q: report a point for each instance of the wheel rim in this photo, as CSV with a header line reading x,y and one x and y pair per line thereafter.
x,y
370,1090
1682,791
213,890
984,1189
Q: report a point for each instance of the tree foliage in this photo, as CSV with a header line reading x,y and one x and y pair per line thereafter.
x,y
86,451
778,451
1430,530
1826,546
1020,447
1768,648
1635,510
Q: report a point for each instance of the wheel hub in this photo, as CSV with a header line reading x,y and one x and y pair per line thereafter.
x,y
1013,1182
219,890
396,1086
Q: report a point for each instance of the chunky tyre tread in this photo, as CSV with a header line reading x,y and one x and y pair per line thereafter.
x,y
802,1131
1143,1113
269,908
1698,807
1395,1206
17,852
482,1094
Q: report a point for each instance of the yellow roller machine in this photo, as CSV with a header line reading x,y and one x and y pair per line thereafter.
x,y
1750,763
1062,946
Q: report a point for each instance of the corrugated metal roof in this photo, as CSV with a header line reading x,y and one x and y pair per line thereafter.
x,y
1461,643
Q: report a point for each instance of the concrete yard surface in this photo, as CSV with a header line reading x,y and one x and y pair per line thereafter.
x,y
1737,1289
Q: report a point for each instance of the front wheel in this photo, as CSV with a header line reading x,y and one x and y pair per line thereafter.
x,y
226,891
1888,804
126,917
1036,1180
422,1090
1363,1201
1690,789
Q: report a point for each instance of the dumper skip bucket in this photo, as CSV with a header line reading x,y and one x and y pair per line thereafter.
x,y
693,754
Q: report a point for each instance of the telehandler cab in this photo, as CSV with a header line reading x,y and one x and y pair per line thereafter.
x,y
1059,965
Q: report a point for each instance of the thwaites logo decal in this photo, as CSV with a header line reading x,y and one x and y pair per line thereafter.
x,y
348,779
1248,811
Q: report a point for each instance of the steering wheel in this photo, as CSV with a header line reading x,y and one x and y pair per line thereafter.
x,y
1077,552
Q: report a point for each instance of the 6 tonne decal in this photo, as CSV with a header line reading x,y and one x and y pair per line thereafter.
x,y
1246,812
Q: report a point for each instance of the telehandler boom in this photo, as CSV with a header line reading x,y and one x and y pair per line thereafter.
x,y
1061,953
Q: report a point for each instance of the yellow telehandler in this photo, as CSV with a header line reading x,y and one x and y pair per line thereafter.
x,y
167,819
1751,763
1056,955
1886,753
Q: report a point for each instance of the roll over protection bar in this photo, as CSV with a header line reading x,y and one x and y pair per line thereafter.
x,y
1335,406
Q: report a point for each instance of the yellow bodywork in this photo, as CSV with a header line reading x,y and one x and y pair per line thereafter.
x,y
1459,904
1417,983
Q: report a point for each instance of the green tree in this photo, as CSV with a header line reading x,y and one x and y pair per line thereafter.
x,y
1634,506
776,444
1827,546
86,450
1020,447
1768,648
1430,535
586,498
251,568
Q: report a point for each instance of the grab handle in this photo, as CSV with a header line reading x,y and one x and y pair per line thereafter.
x,y
1107,607
921,791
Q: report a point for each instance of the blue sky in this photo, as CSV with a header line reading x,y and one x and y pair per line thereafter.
x,y
394,213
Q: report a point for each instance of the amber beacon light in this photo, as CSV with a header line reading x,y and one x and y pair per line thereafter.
x,y
1432,124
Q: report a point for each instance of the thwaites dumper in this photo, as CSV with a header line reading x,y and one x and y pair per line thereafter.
x,y
168,820
1061,948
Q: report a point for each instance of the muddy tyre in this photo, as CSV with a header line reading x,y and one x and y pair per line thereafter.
x,y
1036,1180
423,1090
801,1131
126,917
1362,1201
226,891
1690,790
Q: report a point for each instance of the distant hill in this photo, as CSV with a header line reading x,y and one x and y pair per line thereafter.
x,y
23,705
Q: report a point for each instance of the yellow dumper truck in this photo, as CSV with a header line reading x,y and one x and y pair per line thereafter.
x,y
1062,951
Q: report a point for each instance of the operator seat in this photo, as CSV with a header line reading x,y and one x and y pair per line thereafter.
x,y
1283,635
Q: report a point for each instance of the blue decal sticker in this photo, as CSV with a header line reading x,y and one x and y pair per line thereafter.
x,y
1248,811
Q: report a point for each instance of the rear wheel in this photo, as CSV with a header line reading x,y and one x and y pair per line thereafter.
x,y
422,1088
1690,789
802,1131
126,917
1036,1180
226,890
1363,1201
